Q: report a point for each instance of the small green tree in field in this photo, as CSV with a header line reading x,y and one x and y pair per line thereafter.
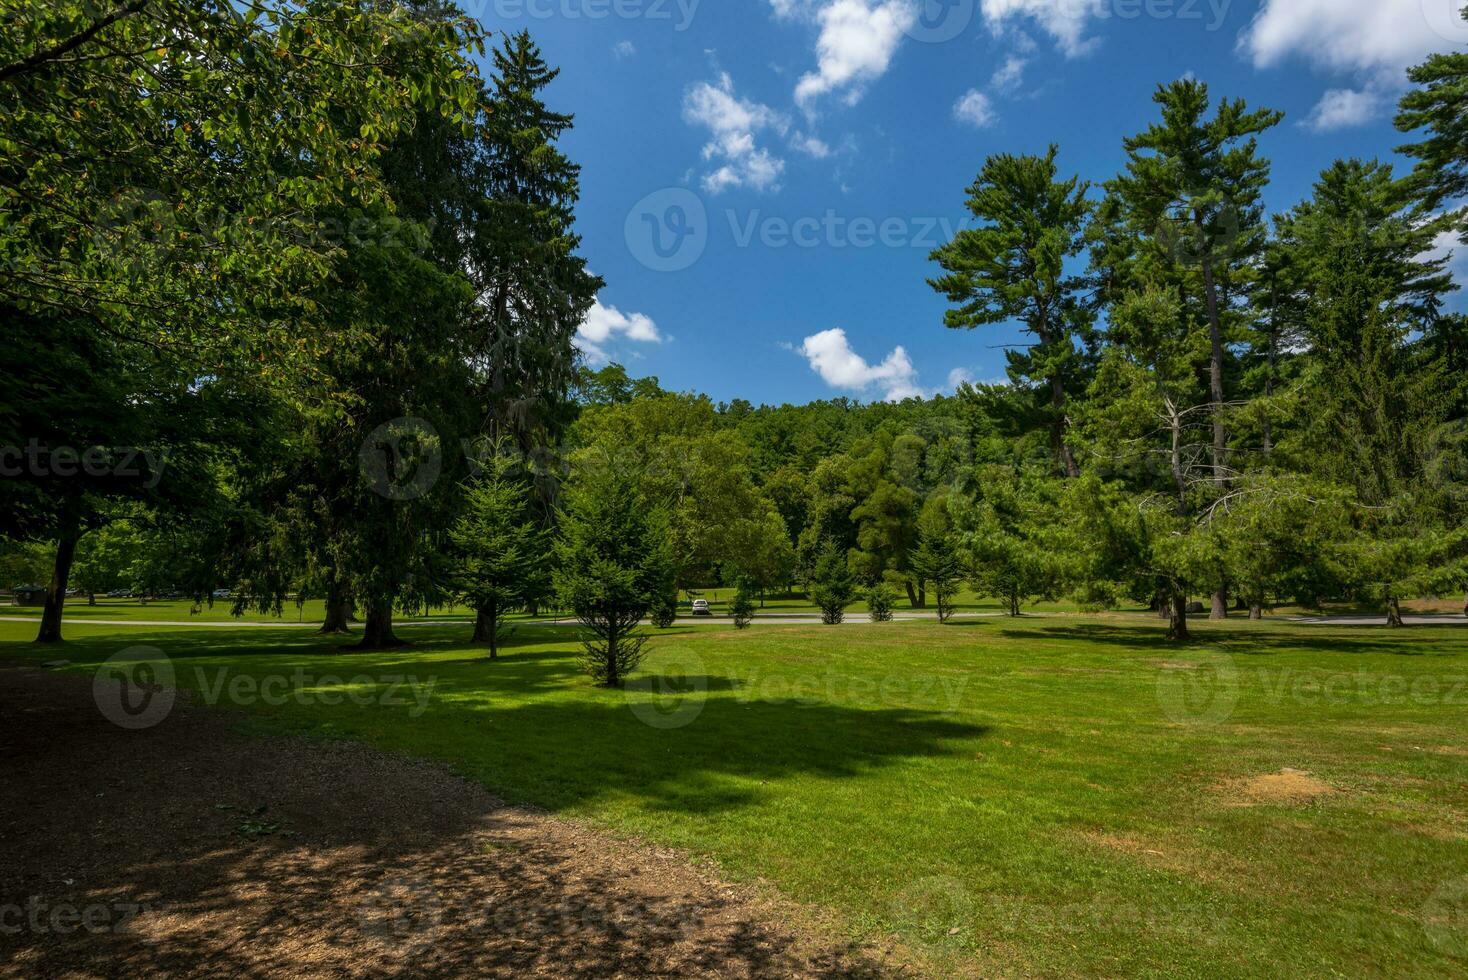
x,y
936,562
504,553
664,612
880,600
832,587
615,565
742,608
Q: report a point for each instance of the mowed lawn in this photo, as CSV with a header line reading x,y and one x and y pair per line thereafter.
x,y
1052,796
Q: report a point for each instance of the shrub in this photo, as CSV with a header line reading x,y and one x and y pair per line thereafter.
x,y
665,611
831,586
742,608
615,565
880,600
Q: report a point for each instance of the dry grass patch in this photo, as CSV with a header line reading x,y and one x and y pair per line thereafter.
x,y
1288,787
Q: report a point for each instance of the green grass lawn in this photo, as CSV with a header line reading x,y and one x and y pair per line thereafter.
x,y
1049,796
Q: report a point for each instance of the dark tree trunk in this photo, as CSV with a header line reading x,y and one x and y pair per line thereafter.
x,y
91,598
1215,372
338,609
613,678
377,632
1177,623
50,631
1014,605
912,598
1058,446
922,599
1465,605
1393,612
487,628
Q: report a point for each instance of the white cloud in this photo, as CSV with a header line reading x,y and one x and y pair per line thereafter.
x,y
624,49
1009,76
810,145
1448,245
607,324
975,108
830,356
855,46
1361,35
1342,108
1064,20
959,376
733,124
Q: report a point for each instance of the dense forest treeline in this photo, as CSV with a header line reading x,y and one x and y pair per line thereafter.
x,y
259,345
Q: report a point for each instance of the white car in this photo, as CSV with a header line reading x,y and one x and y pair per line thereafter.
x,y
701,608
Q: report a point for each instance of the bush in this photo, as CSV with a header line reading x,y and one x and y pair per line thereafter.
x,y
742,608
880,601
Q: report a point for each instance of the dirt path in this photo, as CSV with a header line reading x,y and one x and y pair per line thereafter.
x,y
188,849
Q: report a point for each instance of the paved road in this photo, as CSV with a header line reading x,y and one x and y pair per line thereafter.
x,y
773,619
1431,619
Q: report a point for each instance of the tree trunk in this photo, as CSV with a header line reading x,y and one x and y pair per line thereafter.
x,y
50,631
1177,623
1256,611
1064,458
1014,605
1215,374
613,679
486,627
377,632
338,609
91,598
1269,375
912,598
1393,612
1220,603
922,600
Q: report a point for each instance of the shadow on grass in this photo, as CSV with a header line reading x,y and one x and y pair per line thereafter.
x,y
532,726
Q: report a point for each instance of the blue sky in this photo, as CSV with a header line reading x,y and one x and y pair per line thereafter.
x,y
763,179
